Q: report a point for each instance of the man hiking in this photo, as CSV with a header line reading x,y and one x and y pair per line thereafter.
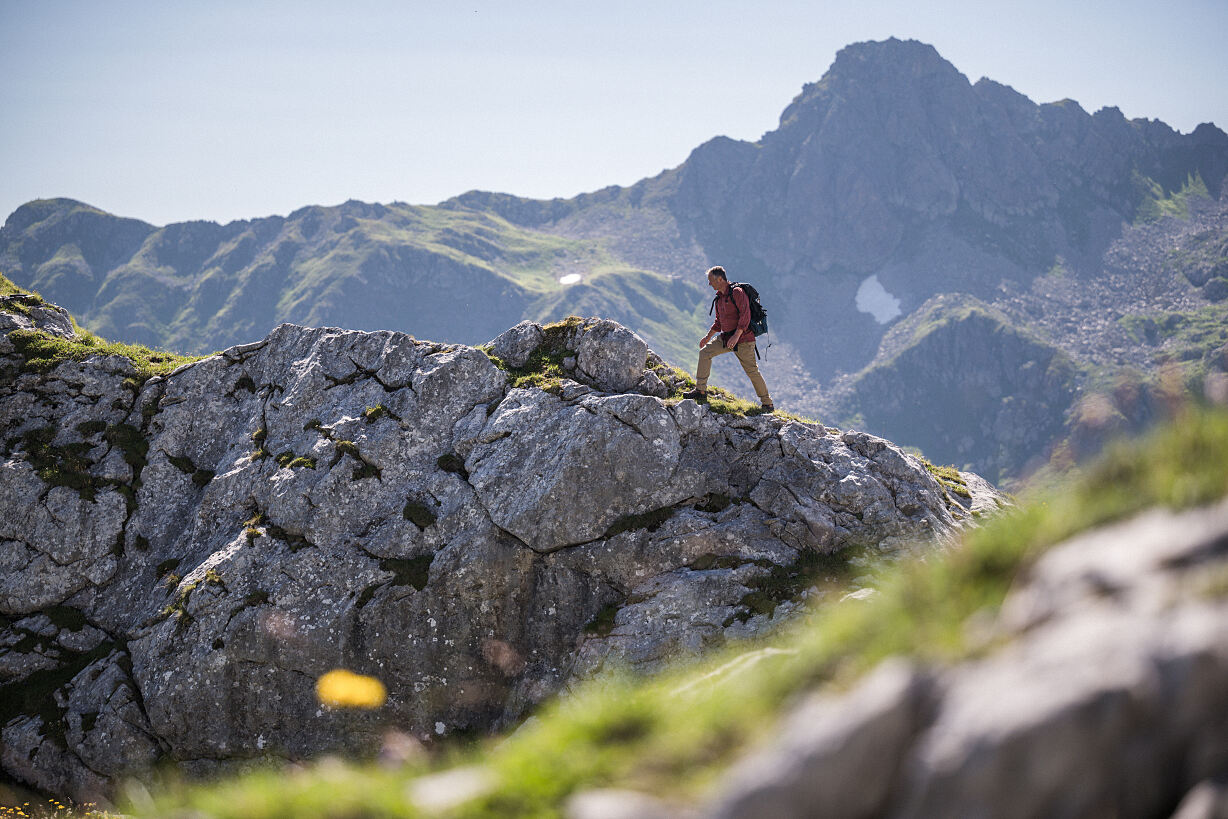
x,y
732,322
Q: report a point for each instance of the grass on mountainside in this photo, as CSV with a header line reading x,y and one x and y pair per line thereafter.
x,y
43,352
946,310
533,260
1186,335
26,300
675,734
948,477
1156,203
544,369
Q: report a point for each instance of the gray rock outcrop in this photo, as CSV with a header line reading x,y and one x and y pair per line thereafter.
x,y
22,312
1108,699
181,558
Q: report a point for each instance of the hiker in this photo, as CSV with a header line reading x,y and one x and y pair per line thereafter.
x,y
732,322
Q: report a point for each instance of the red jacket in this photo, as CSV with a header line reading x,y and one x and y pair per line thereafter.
x,y
733,312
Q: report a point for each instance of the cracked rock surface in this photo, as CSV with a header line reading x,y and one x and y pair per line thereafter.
x,y
182,558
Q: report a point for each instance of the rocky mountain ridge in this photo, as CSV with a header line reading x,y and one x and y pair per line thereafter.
x,y
183,555
892,181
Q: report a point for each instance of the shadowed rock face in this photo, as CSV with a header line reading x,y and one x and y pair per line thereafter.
x,y
1003,390
180,560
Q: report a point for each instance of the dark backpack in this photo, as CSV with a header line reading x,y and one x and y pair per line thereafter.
x,y
758,316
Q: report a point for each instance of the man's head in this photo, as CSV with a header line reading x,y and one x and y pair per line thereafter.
x,y
717,279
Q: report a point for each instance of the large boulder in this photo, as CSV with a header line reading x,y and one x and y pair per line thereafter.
x,y
213,541
27,312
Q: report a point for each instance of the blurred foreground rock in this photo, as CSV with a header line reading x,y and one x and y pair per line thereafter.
x,y
1109,698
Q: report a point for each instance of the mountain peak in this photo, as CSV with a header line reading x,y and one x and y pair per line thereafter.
x,y
891,62
39,210
889,69
890,51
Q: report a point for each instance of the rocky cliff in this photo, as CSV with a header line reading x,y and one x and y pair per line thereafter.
x,y
1003,391
183,555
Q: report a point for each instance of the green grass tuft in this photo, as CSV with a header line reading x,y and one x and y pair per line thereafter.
x,y
14,299
949,478
42,353
373,414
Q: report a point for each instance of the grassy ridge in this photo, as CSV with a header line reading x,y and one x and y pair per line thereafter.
x,y
524,258
14,299
42,352
676,733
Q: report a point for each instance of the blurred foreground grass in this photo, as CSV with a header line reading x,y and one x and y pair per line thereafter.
x,y
674,734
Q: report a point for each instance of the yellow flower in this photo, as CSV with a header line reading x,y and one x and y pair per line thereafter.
x,y
345,689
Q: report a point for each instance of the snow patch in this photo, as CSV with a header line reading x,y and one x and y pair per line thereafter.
x,y
874,299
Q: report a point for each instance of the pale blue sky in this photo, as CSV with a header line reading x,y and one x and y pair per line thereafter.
x,y
225,110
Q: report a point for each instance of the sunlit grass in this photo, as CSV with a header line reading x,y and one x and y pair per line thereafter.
x,y
43,352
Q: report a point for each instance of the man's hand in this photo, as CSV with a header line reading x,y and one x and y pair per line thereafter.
x,y
703,342
732,343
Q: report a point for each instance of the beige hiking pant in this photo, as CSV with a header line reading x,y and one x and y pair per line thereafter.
x,y
746,357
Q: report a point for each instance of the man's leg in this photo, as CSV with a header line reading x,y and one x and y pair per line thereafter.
x,y
746,355
704,369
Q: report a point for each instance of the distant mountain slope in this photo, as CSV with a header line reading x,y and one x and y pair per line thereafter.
x,y
1003,395
437,272
891,181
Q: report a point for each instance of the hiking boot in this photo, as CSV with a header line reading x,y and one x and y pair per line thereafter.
x,y
768,406
697,395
